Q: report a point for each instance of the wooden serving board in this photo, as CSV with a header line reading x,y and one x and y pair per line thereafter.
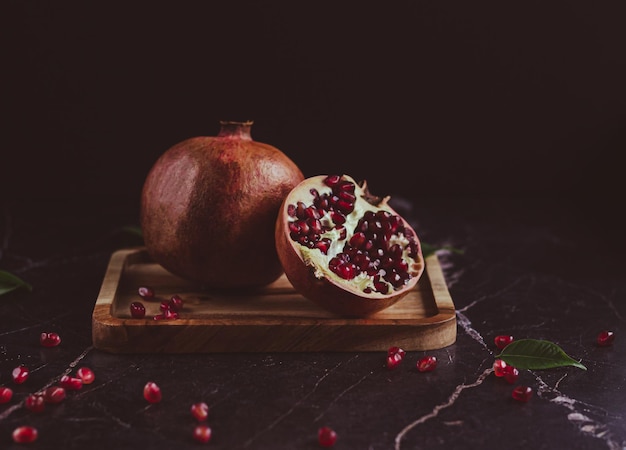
x,y
274,318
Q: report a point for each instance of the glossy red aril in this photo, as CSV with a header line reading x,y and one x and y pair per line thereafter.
x,y
426,364
522,393
146,292
499,367
86,374
346,249
200,411
20,374
71,383
137,310
511,374
5,394
605,338
502,340
395,355
209,205
54,394
24,435
202,433
152,392
175,303
49,339
326,436
35,403
167,314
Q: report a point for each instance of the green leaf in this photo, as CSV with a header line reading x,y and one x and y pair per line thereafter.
x,y
536,354
10,282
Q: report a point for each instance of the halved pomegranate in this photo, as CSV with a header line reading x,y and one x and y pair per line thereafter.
x,y
345,249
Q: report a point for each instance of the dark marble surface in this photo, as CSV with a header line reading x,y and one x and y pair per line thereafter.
x,y
543,269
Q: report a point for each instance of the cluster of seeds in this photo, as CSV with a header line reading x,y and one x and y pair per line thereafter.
x,y
508,372
375,248
169,308
395,356
36,402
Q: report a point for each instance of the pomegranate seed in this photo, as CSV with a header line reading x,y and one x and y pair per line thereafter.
x,y
168,314
202,433
427,364
24,435
326,437
395,355
176,303
511,374
54,394
332,180
522,393
35,403
5,394
165,305
605,338
86,374
152,392
146,292
502,341
200,411
71,383
499,367
49,339
137,310
20,374
393,361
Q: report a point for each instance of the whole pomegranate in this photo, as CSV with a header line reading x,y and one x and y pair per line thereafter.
x,y
209,205
346,249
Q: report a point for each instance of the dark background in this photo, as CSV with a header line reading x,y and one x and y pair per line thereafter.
x,y
420,98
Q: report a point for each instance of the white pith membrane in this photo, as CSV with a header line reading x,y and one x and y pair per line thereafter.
x,y
319,262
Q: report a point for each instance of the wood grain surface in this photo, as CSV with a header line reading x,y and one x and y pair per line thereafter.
x,y
274,318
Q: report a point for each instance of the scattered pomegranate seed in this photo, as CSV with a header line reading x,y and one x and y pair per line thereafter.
x,y
49,339
54,394
522,393
71,383
499,367
24,435
35,403
502,341
146,292
511,374
20,374
427,364
176,303
605,338
168,314
202,433
326,437
152,392
5,394
395,355
200,411
86,374
137,310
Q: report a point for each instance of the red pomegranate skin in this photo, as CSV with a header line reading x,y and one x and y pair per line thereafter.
x,y
209,206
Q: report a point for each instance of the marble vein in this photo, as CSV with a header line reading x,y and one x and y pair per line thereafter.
x,y
438,408
582,421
